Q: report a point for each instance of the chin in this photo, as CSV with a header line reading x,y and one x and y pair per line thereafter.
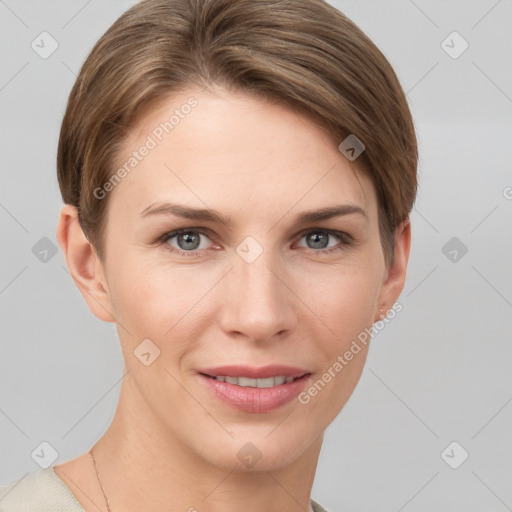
x,y
254,450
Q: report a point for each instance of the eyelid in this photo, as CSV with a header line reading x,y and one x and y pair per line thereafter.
x,y
176,232
341,235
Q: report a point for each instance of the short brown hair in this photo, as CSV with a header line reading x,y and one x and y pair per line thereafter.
x,y
302,53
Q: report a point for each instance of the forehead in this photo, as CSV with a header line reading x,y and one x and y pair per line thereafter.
x,y
218,148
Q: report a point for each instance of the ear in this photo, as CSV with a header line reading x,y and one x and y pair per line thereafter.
x,y
83,263
394,276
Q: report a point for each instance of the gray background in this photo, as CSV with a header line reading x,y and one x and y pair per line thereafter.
x,y
439,372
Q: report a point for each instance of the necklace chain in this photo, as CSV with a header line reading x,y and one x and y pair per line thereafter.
x,y
99,481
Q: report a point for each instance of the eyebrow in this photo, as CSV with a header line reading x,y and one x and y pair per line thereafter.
x,y
209,215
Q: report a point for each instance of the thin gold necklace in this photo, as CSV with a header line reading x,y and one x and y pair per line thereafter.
x,y
99,481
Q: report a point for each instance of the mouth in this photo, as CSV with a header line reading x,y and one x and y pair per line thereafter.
x,y
268,382
254,390
250,376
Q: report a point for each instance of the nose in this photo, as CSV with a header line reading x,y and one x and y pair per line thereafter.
x,y
257,301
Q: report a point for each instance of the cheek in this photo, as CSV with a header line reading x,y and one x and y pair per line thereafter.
x,y
345,299
345,307
148,300
154,300
167,304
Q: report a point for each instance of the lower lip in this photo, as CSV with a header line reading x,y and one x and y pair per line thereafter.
x,y
255,400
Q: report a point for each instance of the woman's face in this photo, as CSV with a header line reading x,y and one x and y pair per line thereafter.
x,y
260,287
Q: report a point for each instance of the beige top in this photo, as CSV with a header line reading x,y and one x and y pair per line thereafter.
x,y
44,491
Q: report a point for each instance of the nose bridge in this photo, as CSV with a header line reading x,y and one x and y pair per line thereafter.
x,y
258,302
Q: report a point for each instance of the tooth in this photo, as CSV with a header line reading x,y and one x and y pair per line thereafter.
x,y
246,381
255,383
265,383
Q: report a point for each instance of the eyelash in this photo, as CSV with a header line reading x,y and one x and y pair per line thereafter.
x,y
344,238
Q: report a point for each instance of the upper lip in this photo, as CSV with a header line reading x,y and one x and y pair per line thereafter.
x,y
254,372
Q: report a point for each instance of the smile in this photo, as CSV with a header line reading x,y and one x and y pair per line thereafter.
x,y
254,390
255,383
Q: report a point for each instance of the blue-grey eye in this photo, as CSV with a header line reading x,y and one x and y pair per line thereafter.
x,y
187,240
320,239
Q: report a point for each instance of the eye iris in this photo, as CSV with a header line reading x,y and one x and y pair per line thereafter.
x,y
320,240
188,238
191,240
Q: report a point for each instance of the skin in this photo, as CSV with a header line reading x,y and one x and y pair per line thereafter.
x,y
171,444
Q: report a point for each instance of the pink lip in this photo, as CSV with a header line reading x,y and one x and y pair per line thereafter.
x,y
253,372
254,400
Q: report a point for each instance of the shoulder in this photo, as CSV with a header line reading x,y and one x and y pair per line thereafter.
x,y
316,507
44,491
41,491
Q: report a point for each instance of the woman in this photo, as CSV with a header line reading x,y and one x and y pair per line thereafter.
x,y
237,178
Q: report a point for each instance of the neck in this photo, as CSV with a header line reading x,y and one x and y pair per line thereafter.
x,y
142,465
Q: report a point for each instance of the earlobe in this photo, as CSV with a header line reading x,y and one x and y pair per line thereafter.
x,y
83,264
395,274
